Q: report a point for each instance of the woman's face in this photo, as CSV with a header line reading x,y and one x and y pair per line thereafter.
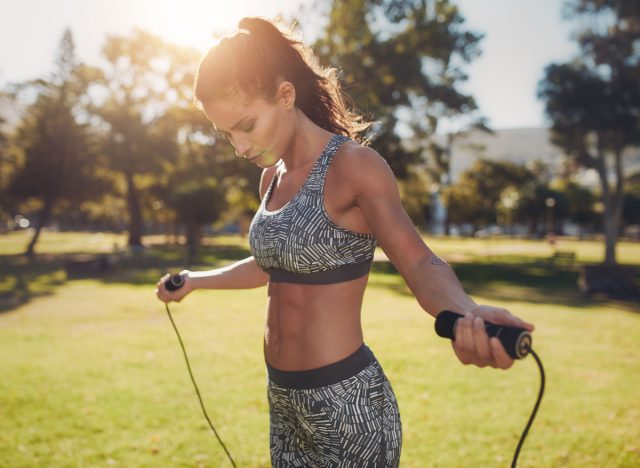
x,y
260,130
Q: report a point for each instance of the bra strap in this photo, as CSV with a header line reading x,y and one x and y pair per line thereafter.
x,y
329,152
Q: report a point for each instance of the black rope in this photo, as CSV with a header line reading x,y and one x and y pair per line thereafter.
x,y
535,408
196,387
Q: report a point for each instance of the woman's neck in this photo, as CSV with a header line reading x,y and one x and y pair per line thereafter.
x,y
306,144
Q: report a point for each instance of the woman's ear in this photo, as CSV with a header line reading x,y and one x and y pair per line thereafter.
x,y
287,94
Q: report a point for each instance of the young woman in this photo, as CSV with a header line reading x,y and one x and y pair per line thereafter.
x,y
327,201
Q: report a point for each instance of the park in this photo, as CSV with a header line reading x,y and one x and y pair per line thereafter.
x,y
111,176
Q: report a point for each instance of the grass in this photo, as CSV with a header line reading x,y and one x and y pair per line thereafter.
x,y
92,372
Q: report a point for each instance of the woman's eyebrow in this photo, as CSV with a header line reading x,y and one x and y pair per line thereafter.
x,y
240,122
236,125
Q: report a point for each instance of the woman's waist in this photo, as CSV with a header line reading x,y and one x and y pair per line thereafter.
x,y
337,370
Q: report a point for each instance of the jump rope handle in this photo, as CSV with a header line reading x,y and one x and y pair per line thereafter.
x,y
175,282
516,341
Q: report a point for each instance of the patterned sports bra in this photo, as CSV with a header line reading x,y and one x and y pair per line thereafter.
x,y
299,243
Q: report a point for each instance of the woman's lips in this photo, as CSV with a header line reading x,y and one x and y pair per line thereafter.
x,y
253,158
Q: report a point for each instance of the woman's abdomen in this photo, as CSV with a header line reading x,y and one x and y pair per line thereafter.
x,y
309,326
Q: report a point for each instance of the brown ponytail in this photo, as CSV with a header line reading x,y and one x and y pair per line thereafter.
x,y
251,62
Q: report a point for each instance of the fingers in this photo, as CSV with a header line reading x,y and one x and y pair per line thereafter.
x,y
481,342
472,345
463,344
500,356
501,316
161,291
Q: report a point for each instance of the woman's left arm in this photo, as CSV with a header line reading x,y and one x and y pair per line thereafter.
x,y
431,279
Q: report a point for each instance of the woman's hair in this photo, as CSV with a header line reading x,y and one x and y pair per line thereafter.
x,y
251,64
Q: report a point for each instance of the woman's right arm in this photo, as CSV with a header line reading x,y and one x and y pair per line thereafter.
x,y
243,274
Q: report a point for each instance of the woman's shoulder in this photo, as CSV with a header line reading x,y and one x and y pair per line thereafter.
x,y
359,163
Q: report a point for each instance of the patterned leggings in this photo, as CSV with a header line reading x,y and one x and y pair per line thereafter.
x,y
354,422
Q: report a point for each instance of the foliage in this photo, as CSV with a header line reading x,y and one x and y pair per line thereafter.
x,y
476,196
401,62
580,203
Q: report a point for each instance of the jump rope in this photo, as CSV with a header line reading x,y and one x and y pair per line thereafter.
x,y
516,342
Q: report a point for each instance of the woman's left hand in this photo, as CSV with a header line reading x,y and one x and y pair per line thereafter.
x,y
472,344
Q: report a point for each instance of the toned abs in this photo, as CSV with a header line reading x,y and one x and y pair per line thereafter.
x,y
309,326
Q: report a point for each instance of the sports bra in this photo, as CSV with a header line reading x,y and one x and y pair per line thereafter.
x,y
299,243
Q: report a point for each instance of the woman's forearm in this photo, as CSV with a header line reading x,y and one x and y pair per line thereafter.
x,y
437,288
243,274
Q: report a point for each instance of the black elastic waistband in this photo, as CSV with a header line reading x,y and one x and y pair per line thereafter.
x,y
325,375
336,275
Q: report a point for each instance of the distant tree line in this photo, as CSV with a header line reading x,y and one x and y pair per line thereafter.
x,y
123,146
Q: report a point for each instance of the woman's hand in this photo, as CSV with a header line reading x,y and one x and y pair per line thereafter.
x,y
174,296
472,344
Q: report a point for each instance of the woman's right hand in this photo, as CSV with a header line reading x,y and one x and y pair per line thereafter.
x,y
167,296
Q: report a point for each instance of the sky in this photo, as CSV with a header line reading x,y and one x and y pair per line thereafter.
x,y
521,38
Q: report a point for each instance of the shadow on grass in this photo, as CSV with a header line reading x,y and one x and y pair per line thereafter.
x,y
23,279
531,280
510,278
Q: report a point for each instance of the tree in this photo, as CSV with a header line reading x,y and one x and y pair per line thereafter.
x,y
593,102
144,83
477,195
401,62
196,203
58,159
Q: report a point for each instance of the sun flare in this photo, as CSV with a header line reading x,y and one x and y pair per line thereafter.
x,y
197,23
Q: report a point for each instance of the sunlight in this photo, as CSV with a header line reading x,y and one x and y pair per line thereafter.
x,y
196,23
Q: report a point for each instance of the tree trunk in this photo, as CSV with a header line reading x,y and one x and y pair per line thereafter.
x,y
135,215
43,220
617,202
193,240
610,236
609,200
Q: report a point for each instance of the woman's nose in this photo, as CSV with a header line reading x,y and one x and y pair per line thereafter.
x,y
242,148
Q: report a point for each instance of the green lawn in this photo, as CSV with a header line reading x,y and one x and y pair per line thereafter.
x,y
92,373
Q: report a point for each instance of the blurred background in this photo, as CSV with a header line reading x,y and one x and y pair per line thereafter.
x,y
512,126
497,117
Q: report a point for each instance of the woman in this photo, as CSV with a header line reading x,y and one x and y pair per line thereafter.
x,y
326,202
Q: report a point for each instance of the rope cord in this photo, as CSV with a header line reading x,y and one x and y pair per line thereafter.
x,y
198,391
535,408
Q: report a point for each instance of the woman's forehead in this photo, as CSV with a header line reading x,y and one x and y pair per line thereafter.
x,y
225,113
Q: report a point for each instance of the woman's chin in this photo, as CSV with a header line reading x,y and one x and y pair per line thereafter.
x,y
266,160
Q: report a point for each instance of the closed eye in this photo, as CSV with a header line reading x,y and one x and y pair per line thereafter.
x,y
248,127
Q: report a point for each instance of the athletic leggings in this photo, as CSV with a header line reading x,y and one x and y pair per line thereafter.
x,y
341,415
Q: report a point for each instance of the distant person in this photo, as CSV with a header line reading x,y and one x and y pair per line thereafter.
x,y
327,201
